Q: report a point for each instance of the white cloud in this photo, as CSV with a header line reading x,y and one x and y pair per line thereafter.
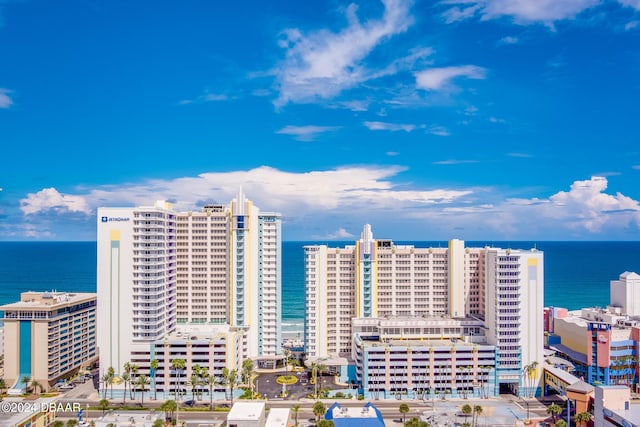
x,y
205,97
306,133
392,153
454,162
520,155
322,64
438,130
521,11
348,188
5,100
49,199
631,25
631,3
438,79
509,40
637,167
392,127
341,233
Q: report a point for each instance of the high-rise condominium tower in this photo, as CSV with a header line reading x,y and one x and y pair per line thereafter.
x,y
162,268
379,279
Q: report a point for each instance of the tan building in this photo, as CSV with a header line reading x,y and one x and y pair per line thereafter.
x,y
48,336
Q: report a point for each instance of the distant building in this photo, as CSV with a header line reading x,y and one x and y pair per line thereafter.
x,y
614,408
48,336
602,344
128,419
367,416
376,279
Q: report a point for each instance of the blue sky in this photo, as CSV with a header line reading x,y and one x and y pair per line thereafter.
x,y
430,120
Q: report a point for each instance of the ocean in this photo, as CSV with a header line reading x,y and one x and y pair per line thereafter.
x,y
577,274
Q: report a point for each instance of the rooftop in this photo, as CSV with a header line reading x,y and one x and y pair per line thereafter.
x,y
48,300
278,417
246,411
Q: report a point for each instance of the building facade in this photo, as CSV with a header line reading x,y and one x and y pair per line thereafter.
x,y
502,288
161,268
423,358
48,336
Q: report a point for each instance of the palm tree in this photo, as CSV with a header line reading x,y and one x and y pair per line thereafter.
x,y
126,379
296,409
561,423
26,380
3,386
142,381
466,410
104,405
247,371
194,382
111,374
287,353
36,386
153,367
58,423
477,411
404,410
319,410
321,368
169,407
178,366
72,423
211,382
230,379
134,371
583,417
554,410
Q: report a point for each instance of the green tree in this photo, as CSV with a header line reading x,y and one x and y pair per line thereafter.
x,y
26,380
104,405
404,410
126,379
319,410
247,371
325,423
134,373
296,409
230,380
72,423
561,423
58,423
554,410
210,381
178,366
157,423
111,374
415,422
477,411
583,418
466,410
3,386
36,386
141,382
153,368
169,407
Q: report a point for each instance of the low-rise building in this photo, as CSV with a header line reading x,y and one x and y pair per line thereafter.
x,y
247,414
613,407
367,416
423,358
48,336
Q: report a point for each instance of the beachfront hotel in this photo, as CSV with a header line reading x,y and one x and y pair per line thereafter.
x,y
162,273
500,289
48,336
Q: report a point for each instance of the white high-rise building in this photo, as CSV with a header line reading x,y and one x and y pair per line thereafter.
x,y
158,268
136,274
625,293
378,279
